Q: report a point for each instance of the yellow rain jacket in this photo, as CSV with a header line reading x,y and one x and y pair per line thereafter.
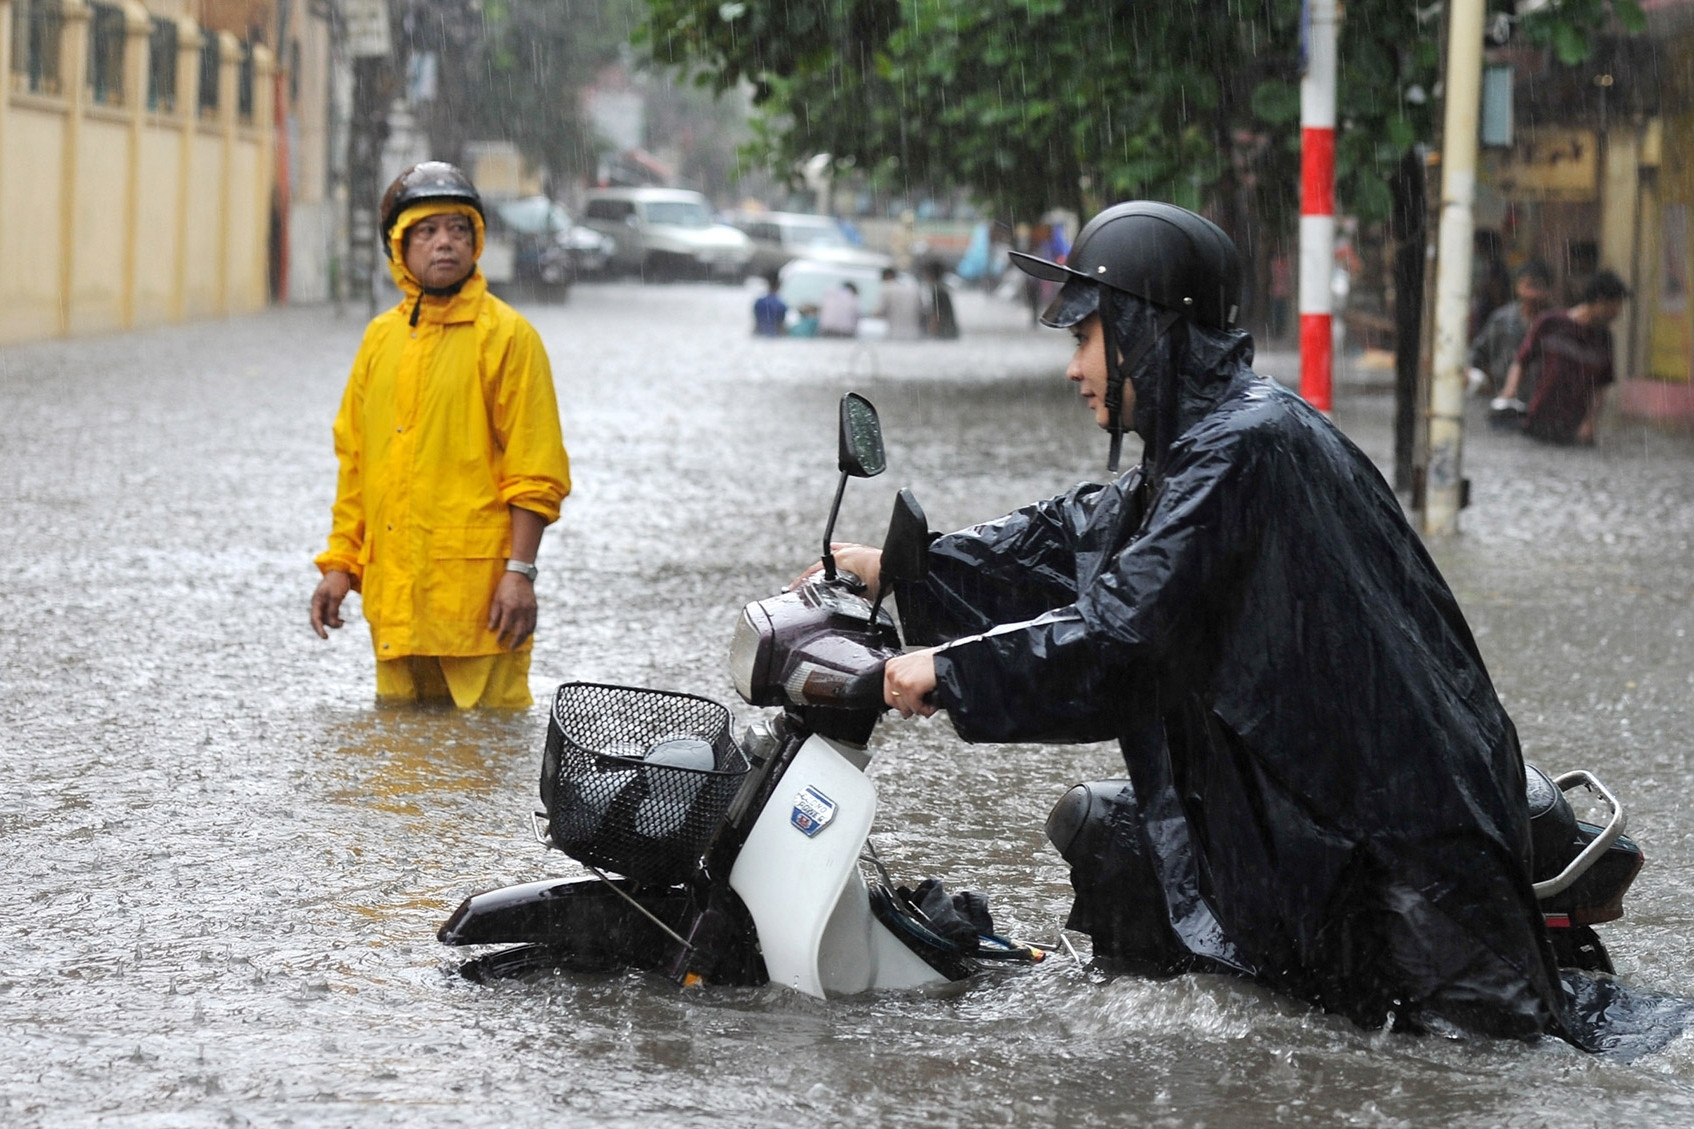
x,y
449,417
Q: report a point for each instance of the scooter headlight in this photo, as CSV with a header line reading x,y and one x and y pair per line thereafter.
x,y
750,654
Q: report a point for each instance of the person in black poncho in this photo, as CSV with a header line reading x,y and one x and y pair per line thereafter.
x,y
1326,785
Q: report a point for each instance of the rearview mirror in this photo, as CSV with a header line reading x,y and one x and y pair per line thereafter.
x,y
862,455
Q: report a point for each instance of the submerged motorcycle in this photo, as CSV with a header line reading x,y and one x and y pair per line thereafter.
x,y
738,860
742,860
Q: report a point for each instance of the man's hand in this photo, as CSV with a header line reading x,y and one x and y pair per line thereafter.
x,y
907,682
512,613
862,561
326,600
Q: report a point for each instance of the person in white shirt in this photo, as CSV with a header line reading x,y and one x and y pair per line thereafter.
x,y
901,306
838,316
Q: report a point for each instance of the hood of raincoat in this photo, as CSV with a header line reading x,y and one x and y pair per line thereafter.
x,y
402,275
1180,379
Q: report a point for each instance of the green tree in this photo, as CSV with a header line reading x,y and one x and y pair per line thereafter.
x,y
1033,103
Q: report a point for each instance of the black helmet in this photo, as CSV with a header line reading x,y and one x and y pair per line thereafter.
x,y
430,180
1165,254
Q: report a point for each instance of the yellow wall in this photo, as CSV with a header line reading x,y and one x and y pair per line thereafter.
x,y
29,231
201,292
1666,257
102,184
157,230
112,216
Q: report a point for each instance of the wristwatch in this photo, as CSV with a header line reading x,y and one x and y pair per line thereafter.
x,y
523,568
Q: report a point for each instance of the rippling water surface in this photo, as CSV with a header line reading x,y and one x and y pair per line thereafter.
x,y
225,866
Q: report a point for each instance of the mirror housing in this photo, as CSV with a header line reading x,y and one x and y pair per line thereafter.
x,y
862,454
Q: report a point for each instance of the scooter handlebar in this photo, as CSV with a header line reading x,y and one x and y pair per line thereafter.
x,y
864,690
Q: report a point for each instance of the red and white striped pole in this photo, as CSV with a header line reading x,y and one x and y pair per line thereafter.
x,y
1317,202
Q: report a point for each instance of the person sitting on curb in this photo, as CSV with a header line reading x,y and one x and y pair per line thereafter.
x,y
1571,350
1494,349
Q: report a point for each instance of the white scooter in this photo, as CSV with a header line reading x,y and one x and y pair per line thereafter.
x,y
742,861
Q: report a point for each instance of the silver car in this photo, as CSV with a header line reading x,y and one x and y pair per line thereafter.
x,y
667,233
781,237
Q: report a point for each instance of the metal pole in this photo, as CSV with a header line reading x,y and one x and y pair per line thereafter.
x,y
1453,267
1317,202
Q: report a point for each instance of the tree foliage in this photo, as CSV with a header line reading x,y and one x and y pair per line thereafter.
x,y
1035,103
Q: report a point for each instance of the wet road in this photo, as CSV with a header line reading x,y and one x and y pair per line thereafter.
x,y
225,866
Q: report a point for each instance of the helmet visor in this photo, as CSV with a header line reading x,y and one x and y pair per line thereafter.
x,y
1076,301
1043,269
1079,297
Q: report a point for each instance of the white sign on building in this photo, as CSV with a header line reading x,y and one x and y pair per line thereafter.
x,y
367,28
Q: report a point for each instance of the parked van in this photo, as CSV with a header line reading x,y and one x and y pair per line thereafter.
x,y
667,233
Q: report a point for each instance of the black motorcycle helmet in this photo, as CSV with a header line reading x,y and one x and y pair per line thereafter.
x,y
430,180
1180,262
1168,255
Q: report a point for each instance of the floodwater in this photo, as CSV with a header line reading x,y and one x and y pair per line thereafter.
x,y
225,865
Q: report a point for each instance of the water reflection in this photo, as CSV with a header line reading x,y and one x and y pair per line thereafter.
x,y
405,759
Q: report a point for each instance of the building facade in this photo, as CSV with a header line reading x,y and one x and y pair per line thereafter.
x,y
156,163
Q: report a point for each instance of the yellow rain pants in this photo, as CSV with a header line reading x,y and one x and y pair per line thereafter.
x,y
496,681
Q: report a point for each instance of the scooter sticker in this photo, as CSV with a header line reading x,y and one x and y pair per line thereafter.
x,y
812,811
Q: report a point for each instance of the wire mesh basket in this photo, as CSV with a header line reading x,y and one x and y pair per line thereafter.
x,y
636,781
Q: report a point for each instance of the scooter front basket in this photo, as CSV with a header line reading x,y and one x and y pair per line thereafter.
x,y
637,781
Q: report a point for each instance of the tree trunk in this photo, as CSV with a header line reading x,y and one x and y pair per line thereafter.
x,y
1408,226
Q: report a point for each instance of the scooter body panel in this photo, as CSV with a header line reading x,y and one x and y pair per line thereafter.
x,y
798,875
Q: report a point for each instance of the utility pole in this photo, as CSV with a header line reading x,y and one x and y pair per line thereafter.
x,y
1444,492
1317,202
370,43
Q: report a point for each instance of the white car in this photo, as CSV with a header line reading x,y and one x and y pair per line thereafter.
x,y
667,233
781,237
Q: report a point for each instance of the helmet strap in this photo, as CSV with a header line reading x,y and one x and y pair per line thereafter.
x,y
1114,375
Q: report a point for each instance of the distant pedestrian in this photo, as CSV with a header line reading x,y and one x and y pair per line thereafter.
x,y
770,312
452,463
1573,349
806,321
901,306
940,321
838,314
1493,350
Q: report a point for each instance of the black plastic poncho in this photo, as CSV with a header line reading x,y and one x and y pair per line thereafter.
x,y
1336,800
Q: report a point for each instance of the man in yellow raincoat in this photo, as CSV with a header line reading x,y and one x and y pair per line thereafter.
x,y
452,463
